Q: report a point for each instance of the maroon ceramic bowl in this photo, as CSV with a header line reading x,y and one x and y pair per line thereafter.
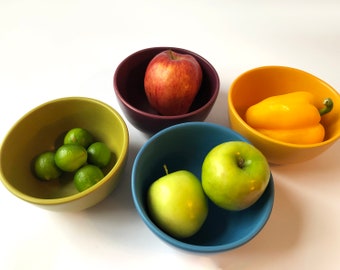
x,y
128,83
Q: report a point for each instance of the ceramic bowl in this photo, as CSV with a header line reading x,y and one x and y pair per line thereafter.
x,y
262,82
184,146
43,129
128,85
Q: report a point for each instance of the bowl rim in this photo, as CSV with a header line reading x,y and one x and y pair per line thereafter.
x,y
167,117
67,199
177,242
267,138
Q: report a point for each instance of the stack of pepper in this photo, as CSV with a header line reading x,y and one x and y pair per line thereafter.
x,y
291,118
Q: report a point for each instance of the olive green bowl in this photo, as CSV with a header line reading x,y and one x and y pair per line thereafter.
x,y
42,129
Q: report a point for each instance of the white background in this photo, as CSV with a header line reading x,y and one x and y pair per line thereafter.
x,y
52,49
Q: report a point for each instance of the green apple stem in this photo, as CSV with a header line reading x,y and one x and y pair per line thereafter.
x,y
166,169
240,161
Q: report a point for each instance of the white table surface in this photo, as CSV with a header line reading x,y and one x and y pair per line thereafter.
x,y
52,49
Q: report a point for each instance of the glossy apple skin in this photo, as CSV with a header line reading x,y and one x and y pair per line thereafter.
x,y
171,82
226,183
177,204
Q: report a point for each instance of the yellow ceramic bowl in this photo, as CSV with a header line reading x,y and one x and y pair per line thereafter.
x,y
43,129
259,83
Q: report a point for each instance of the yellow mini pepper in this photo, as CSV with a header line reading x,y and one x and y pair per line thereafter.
x,y
291,117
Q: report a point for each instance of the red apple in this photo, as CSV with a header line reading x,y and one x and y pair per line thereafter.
x,y
172,81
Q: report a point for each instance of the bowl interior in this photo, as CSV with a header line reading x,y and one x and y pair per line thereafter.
x,y
129,82
184,146
43,129
260,83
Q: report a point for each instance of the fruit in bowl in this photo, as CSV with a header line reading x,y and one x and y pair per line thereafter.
x,y
79,155
128,83
270,81
176,147
45,127
177,203
234,175
172,81
291,118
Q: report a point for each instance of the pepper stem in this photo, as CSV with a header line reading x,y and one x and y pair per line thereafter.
x,y
328,102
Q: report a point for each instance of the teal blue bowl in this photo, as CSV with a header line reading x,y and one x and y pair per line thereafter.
x,y
184,146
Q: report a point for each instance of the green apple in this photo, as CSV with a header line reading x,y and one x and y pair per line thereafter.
x,y
177,204
234,175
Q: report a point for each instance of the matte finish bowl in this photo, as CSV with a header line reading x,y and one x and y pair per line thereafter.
x,y
259,83
128,82
184,146
42,129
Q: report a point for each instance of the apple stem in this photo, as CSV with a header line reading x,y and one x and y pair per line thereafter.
x,y
172,55
166,169
240,161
